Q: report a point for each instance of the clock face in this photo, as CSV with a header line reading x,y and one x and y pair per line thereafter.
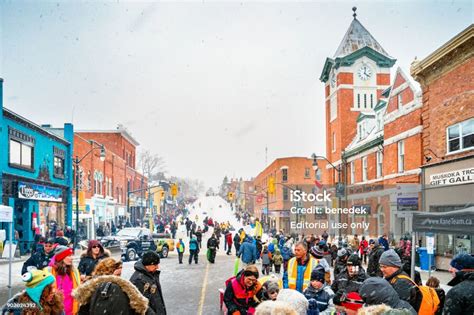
x,y
364,72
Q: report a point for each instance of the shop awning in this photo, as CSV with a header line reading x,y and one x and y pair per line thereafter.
x,y
452,222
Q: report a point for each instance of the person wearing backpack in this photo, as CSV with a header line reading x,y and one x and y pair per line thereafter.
x,y
423,299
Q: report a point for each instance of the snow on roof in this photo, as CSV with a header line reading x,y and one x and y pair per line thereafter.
x,y
357,37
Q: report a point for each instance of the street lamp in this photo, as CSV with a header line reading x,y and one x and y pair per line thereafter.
x,y
338,185
76,162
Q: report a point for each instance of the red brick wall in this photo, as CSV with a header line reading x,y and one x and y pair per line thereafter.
x,y
447,101
345,78
383,78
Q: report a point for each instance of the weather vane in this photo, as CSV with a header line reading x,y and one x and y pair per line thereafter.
x,y
355,14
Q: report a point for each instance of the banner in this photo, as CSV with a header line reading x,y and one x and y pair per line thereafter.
x,y
452,222
39,192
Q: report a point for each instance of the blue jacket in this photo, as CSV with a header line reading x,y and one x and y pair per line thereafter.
x,y
248,252
271,247
193,244
299,280
320,301
384,243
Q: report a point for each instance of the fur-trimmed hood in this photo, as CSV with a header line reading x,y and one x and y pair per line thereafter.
x,y
137,301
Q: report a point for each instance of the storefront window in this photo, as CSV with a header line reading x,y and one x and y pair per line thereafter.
x,y
462,244
444,245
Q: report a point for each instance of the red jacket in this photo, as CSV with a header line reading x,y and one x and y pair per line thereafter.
x,y
228,238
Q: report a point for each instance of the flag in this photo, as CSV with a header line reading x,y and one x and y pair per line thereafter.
x,y
318,184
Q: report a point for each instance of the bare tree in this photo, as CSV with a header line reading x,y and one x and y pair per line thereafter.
x,y
152,165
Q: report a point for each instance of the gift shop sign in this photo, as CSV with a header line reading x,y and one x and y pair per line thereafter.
x,y
39,192
453,178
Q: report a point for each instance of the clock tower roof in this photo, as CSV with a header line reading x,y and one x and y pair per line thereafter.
x,y
357,37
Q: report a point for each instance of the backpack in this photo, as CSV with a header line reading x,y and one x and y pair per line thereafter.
x,y
286,253
430,300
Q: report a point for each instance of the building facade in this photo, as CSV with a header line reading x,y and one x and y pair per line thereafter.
x,y
447,81
104,196
373,136
36,175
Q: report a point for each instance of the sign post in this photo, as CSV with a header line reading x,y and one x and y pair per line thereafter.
x,y
429,250
6,215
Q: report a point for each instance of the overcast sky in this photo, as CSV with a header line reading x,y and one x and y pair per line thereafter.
x,y
206,85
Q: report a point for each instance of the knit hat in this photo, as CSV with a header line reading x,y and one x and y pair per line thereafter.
x,y
353,301
150,258
353,260
342,252
316,252
390,258
62,252
50,240
271,286
462,261
36,281
318,274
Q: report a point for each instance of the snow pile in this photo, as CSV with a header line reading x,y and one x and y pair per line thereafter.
x,y
214,207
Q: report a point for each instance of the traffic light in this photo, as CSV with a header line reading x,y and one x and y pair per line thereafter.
x,y
174,190
230,195
162,195
271,185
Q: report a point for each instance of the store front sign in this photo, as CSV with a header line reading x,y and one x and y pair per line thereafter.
x,y
39,192
453,178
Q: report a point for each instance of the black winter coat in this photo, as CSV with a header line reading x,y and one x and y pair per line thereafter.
x,y
39,260
460,299
347,284
406,289
212,243
339,266
373,267
110,295
149,285
88,263
375,291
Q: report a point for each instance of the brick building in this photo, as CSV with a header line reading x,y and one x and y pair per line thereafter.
x,y
373,135
288,174
104,184
447,81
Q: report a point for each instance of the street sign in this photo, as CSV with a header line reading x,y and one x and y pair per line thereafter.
x,y
6,214
430,245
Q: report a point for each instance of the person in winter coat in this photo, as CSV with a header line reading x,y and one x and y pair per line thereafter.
x,y
212,246
199,236
147,280
391,267
89,259
383,241
298,274
228,240
266,260
270,290
193,250
107,293
39,297
433,282
40,259
60,239
243,292
355,243
67,277
373,268
259,245
340,264
363,249
375,291
350,280
248,252
460,299
237,242
180,249
317,253
318,294
277,261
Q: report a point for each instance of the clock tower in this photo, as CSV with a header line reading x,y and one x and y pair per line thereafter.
x,y
354,79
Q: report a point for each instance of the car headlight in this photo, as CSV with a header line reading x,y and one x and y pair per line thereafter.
x,y
123,243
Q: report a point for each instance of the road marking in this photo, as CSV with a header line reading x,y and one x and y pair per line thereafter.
x,y
203,290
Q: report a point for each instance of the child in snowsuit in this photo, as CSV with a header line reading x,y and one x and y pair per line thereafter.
x,y
277,260
318,294
266,260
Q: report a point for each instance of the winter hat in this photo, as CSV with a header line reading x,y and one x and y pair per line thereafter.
x,y
295,299
390,258
62,252
318,274
50,240
462,261
353,260
271,286
353,301
36,281
342,252
316,252
150,258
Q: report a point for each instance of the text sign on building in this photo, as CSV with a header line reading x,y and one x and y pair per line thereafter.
x,y
453,178
6,214
39,192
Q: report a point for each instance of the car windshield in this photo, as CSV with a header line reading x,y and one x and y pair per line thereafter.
x,y
129,232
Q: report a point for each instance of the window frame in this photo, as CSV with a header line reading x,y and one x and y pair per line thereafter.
x,y
60,174
284,175
401,157
21,165
379,164
460,137
307,172
365,169
352,172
